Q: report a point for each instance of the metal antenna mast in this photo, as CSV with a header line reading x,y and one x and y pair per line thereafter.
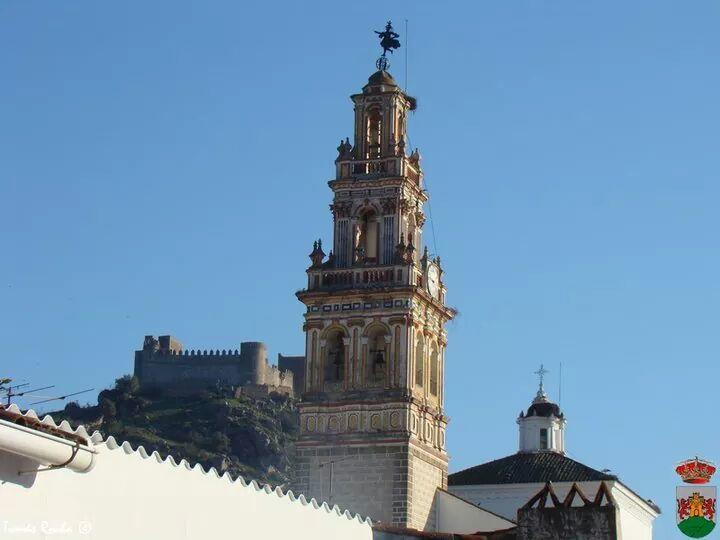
x,y
560,389
407,43
12,394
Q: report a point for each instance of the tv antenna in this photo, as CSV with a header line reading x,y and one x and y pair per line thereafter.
x,y
61,397
11,393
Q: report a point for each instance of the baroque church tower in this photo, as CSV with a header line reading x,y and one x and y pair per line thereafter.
x,y
372,415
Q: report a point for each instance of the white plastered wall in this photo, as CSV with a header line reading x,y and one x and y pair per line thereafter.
x,y
636,516
456,515
128,494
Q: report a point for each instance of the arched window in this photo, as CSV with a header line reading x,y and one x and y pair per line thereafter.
x,y
374,133
335,358
420,361
367,237
313,377
434,370
377,355
544,439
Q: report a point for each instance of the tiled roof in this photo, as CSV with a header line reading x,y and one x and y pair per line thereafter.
x,y
528,467
545,409
15,417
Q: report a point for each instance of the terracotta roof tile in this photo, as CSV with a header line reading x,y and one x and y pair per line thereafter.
x,y
528,467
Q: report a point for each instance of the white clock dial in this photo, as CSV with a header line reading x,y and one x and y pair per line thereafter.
x,y
433,280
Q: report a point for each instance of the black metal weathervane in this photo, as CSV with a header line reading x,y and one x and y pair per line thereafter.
x,y
389,42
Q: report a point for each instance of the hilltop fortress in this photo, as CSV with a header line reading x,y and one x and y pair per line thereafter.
x,y
163,363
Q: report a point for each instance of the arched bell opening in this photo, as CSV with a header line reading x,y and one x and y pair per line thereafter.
x,y
378,356
335,358
367,237
373,133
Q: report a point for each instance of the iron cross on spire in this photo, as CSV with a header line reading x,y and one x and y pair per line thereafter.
x,y
541,375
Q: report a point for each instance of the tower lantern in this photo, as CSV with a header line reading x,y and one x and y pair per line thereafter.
x,y
542,427
373,407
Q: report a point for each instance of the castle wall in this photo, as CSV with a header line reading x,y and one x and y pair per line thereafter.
x,y
162,363
295,365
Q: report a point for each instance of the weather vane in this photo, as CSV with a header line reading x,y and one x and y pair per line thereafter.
x,y
389,42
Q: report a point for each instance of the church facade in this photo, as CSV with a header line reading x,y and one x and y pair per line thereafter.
x,y
373,424
504,486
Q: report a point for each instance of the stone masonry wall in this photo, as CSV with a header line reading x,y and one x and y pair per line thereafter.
x,y
369,480
426,474
576,523
163,363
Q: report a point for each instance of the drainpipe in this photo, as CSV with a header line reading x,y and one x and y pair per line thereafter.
x,y
46,449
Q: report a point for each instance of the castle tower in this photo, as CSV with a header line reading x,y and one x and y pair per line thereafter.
x,y
542,427
372,419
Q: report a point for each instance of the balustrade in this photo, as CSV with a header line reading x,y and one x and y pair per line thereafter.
x,y
356,277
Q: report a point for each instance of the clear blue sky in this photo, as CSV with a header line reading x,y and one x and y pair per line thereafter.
x,y
163,169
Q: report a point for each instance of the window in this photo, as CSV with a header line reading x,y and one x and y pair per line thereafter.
x,y
378,355
343,244
434,371
544,439
367,233
388,240
420,361
335,359
374,134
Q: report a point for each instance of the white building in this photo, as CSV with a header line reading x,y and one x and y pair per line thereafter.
x,y
505,485
57,482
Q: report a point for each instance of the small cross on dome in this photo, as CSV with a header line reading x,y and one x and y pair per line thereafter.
x,y
541,375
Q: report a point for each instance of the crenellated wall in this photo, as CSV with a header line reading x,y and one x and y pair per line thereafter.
x,y
164,363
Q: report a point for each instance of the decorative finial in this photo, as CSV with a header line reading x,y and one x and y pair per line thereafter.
x,y
541,395
389,42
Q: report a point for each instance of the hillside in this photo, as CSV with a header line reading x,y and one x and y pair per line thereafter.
x,y
243,436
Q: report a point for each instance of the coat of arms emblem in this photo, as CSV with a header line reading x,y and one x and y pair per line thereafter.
x,y
696,500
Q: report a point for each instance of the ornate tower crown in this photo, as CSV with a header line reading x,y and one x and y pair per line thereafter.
x,y
695,471
375,325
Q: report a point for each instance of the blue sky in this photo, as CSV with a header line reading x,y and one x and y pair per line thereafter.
x,y
163,169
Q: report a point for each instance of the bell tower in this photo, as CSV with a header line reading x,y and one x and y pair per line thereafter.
x,y
372,415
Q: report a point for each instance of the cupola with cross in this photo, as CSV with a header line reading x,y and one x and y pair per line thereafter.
x,y
542,426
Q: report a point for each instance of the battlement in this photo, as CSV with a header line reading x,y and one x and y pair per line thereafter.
x,y
163,363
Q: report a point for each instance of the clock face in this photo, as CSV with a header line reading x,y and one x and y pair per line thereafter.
x,y
433,280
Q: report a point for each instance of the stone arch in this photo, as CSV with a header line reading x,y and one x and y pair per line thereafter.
x,y
373,131
378,357
335,354
366,233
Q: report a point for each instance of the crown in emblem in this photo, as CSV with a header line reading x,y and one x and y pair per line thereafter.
x,y
695,471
